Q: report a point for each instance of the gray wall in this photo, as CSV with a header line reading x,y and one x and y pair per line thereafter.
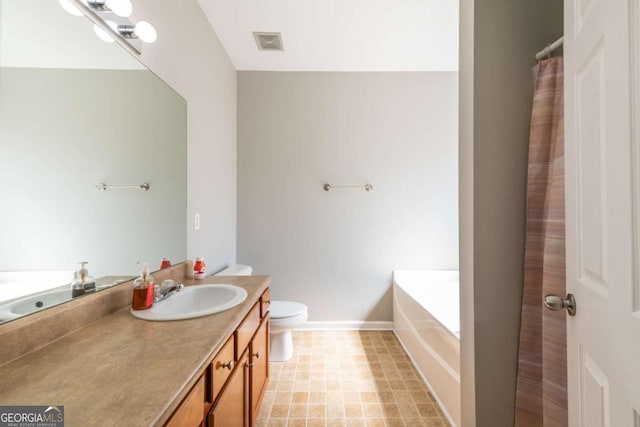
x,y
497,44
189,56
335,251
63,132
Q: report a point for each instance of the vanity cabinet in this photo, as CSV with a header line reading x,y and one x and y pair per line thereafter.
x,y
258,367
230,391
230,409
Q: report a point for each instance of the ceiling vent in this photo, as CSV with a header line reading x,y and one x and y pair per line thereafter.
x,y
268,41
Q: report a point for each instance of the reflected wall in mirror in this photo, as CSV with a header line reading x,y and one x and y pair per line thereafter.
x,y
76,112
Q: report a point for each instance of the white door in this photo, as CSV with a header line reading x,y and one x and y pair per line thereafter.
x,y
602,124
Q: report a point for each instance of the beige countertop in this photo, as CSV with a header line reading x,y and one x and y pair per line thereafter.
x,y
121,370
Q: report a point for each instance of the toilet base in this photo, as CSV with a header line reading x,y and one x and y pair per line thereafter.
x,y
281,347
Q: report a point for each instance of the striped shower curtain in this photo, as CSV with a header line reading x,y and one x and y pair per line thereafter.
x,y
541,392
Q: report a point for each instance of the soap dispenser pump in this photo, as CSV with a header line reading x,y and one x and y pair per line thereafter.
x,y
143,289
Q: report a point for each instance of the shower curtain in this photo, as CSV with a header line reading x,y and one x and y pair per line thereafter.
x,y
541,391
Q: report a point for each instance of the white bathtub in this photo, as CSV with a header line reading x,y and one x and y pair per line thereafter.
x,y
426,320
16,284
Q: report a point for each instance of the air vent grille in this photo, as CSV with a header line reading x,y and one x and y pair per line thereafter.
x,y
268,41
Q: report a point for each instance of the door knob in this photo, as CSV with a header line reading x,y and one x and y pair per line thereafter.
x,y
555,303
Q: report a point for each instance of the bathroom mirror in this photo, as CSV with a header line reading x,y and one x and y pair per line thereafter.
x,y
76,112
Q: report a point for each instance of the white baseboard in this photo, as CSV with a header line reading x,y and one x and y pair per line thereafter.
x,y
347,326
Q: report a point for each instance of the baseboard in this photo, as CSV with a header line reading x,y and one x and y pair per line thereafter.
x,y
347,326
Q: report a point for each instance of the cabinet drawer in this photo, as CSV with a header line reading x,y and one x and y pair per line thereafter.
x,y
221,367
247,328
265,302
191,410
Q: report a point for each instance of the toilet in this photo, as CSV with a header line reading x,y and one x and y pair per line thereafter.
x,y
285,317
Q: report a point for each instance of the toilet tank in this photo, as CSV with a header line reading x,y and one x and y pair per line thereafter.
x,y
236,270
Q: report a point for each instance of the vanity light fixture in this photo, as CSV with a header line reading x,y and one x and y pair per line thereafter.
x,y
122,8
119,7
142,30
70,8
111,23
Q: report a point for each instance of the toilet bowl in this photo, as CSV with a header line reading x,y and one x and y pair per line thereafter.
x,y
285,317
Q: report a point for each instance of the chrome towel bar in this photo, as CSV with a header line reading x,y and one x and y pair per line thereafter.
x,y
367,187
104,187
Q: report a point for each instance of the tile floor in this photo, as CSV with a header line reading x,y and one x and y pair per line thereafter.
x,y
347,378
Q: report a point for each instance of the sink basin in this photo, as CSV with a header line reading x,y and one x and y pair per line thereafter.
x,y
194,301
32,303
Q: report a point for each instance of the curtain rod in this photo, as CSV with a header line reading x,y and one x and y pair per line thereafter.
x,y
550,48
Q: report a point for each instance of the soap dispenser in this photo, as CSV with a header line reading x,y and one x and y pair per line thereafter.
x,y
82,282
77,288
143,289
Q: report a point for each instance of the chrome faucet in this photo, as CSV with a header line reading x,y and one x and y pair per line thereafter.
x,y
164,291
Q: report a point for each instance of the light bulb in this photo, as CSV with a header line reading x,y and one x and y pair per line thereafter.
x,y
70,7
102,34
120,7
146,32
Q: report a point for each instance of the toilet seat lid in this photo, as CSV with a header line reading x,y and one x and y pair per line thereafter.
x,y
284,309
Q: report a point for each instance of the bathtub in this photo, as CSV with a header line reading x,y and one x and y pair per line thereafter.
x,y
426,320
16,284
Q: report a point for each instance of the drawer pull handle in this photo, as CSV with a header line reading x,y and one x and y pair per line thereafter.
x,y
267,301
228,365
257,355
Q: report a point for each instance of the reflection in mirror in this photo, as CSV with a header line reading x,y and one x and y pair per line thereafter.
x,y
76,112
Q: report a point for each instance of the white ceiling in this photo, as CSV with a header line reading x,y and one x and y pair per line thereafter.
x,y
339,35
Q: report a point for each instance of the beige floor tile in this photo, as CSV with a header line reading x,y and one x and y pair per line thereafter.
x,y
408,410
345,379
372,410
368,397
283,397
351,397
300,397
297,422
335,397
317,397
317,410
427,410
335,410
279,411
353,410
435,422
394,422
390,410
316,422
317,385
301,386
299,411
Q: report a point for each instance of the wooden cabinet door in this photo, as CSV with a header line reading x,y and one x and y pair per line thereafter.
x,y
259,363
232,407
191,410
